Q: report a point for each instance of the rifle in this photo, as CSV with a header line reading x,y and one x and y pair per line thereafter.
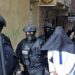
x,y
2,56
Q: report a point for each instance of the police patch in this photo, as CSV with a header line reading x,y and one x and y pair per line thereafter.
x,y
24,52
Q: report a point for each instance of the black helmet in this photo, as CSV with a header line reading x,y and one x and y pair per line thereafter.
x,y
47,25
2,21
30,28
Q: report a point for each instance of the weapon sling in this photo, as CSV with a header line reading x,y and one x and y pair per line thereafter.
x,y
2,56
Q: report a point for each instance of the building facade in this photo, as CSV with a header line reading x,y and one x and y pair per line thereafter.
x,y
73,7
19,13
51,10
16,14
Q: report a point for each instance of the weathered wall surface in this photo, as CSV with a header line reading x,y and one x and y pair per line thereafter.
x,y
16,14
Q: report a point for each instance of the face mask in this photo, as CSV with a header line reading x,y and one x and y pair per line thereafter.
x,y
30,35
47,29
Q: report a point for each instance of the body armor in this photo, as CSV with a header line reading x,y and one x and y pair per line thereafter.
x,y
30,56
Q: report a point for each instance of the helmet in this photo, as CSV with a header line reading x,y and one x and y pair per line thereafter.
x,y
2,21
48,29
47,25
30,28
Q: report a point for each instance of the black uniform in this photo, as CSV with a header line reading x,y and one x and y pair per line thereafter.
x,y
9,56
8,59
28,51
48,31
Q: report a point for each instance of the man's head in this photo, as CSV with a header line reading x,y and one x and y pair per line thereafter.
x,y
30,31
2,23
48,29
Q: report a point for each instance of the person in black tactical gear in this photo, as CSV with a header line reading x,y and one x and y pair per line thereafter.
x,y
48,30
29,53
8,59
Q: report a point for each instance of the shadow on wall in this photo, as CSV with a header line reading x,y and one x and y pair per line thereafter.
x,y
15,36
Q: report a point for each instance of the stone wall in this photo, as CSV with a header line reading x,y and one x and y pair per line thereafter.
x,y
16,14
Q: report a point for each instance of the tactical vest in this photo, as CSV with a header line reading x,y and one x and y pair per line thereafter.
x,y
31,53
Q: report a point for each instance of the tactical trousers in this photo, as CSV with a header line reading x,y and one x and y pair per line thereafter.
x,y
35,71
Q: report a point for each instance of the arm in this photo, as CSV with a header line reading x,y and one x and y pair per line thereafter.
x,y
18,54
